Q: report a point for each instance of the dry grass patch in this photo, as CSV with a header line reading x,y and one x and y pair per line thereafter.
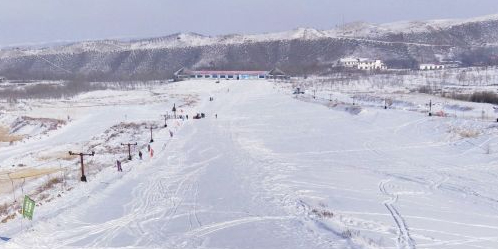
x,y
189,101
32,172
5,135
322,213
62,155
4,209
50,183
465,132
8,217
7,211
9,179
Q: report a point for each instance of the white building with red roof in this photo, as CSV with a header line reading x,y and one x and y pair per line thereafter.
x,y
184,73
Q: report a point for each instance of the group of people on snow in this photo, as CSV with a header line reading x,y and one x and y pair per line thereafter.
x,y
150,150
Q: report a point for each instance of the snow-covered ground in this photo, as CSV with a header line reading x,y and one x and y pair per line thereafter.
x,y
270,171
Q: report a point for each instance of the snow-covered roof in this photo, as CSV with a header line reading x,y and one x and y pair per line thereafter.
x,y
227,72
430,64
276,72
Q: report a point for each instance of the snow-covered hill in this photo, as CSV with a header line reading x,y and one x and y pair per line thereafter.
x,y
304,50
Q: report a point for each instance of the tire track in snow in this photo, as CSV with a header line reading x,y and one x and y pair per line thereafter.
x,y
437,184
152,196
252,152
417,123
207,229
404,239
369,147
195,205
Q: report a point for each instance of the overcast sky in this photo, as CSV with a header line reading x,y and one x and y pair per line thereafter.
x,y
38,21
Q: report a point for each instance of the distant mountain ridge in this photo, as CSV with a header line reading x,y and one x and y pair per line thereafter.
x,y
300,51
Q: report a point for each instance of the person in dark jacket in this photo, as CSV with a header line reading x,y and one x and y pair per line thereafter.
x,y
118,163
140,154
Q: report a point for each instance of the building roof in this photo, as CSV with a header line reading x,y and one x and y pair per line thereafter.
x,y
276,72
360,60
182,71
227,72
430,64
349,59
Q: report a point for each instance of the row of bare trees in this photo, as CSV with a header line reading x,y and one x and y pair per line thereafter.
x,y
66,89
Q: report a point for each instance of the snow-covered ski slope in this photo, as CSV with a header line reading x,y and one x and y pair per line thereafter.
x,y
272,171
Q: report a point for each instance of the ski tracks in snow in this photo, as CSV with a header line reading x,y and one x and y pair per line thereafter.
x,y
205,230
404,240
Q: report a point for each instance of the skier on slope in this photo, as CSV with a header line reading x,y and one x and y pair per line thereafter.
x,y
118,163
140,154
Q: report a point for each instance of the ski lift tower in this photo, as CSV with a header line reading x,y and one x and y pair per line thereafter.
x,y
83,177
174,109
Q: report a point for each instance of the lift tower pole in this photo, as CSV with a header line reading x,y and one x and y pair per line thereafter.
x,y
83,177
165,119
129,149
174,109
430,107
151,127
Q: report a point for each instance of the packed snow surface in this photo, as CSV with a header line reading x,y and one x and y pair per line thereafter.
x,y
273,171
